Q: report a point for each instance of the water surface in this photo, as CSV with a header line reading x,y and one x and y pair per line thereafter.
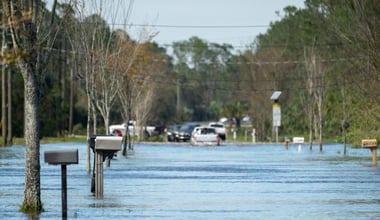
x,y
178,181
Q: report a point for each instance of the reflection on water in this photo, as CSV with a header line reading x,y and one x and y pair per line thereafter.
x,y
185,182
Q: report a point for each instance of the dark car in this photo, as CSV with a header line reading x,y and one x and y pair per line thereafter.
x,y
185,130
172,131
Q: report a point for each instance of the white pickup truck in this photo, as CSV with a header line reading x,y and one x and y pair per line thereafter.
x,y
205,136
220,129
119,130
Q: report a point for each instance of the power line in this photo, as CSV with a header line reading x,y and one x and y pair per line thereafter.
x,y
195,26
258,63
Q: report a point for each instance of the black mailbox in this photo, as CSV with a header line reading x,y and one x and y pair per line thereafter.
x,y
63,158
57,157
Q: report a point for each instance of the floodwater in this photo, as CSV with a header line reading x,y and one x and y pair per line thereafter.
x,y
178,181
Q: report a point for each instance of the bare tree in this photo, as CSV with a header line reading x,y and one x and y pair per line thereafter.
x,y
104,92
317,94
129,52
310,102
96,53
134,67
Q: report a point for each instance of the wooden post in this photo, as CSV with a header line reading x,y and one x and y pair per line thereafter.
x,y
99,175
372,145
104,146
374,156
287,142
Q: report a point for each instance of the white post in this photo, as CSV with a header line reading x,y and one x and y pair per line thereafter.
x,y
276,134
254,136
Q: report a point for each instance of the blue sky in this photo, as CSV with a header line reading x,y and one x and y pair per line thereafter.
x,y
174,20
257,14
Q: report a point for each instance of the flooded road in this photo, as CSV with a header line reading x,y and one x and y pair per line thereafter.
x,y
179,181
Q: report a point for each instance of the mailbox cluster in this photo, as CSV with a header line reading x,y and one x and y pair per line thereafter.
x,y
102,147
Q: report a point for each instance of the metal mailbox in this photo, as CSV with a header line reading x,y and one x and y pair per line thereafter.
x,y
104,146
57,157
298,140
108,143
63,158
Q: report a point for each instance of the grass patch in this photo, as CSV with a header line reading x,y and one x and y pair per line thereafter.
x,y
52,140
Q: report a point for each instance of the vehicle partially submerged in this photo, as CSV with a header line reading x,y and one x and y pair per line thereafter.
x,y
205,136
220,129
132,128
181,132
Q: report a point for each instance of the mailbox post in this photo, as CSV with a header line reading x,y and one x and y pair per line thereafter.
x,y
103,146
63,158
299,141
372,145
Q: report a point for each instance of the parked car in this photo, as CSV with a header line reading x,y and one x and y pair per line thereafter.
x,y
185,130
205,136
220,129
134,130
172,131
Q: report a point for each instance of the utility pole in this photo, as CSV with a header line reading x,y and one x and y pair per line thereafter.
x,y
4,124
178,95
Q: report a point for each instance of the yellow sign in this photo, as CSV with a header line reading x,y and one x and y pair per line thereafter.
x,y
276,115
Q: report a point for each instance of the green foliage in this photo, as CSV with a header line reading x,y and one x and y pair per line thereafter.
x,y
216,81
78,129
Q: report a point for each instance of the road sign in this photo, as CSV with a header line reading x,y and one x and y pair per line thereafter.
x,y
276,115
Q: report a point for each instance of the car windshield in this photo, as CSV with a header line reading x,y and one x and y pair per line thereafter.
x,y
173,128
208,131
217,125
188,127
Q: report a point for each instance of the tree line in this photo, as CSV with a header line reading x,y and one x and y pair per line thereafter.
x,y
65,72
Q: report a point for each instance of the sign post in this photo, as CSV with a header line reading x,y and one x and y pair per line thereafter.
x,y
276,112
276,118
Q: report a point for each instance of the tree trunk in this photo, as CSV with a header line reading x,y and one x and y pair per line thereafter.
x,y
28,68
320,122
3,107
71,107
4,125
311,131
89,132
32,192
9,133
